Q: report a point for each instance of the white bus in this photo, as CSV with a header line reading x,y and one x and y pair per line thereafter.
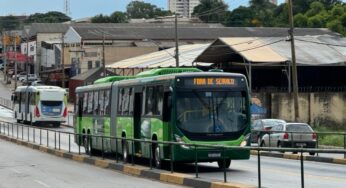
x,y
40,105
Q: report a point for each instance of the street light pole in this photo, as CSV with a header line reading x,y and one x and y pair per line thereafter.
x,y
176,42
294,65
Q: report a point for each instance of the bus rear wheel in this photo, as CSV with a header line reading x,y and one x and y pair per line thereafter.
x,y
227,163
87,145
125,151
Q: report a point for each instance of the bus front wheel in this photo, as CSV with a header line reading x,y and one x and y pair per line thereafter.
x,y
156,154
221,164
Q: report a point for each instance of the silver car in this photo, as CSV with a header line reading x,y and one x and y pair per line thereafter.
x,y
291,135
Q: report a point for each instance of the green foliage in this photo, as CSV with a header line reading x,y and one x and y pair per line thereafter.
x,y
138,9
316,21
9,23
115,17
336,26
241,16
49,17
211,11
329,139
300,20
315,8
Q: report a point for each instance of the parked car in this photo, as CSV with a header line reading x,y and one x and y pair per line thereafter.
x,y
31,77
293,135
37,83
261,126
21,74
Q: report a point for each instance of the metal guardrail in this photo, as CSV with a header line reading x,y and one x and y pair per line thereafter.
x,y
16,130
6,103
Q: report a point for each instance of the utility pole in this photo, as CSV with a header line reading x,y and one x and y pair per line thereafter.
x,y
103,55
62,61
27,57
15,61
176,42
294,65
4,54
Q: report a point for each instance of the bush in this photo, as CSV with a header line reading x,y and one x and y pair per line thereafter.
x,y
328,139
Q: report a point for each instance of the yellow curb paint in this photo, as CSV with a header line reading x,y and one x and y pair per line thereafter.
x,y
101,163
229,185
291,156
59,153
253,152
134,170
78,158
44,149
339,161
175,178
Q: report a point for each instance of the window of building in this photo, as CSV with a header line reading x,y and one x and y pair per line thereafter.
x,y
90,64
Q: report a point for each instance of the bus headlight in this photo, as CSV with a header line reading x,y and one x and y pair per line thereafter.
x,y
181,141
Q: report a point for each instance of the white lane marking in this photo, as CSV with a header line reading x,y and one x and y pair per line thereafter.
x,y
41,183
16,171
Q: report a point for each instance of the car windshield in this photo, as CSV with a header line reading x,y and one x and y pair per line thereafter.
x,y
211,111
272,122
298,128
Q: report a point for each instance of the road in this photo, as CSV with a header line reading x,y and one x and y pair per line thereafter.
x,y
24,167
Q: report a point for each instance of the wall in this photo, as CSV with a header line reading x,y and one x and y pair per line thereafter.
x,y
327,109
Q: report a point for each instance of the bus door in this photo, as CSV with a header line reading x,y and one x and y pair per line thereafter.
x,y
137,112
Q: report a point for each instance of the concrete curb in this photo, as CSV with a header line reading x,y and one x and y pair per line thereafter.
x,y
297,157
134,170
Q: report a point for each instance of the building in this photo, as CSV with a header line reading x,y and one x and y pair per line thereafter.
x,y
182,7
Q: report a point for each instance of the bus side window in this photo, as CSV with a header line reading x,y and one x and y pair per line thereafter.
x,y
96,103
131,99
107,101
85,103
120,101
125,101
101,102
90,103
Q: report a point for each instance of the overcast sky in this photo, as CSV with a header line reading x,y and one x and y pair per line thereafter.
x,y
82,8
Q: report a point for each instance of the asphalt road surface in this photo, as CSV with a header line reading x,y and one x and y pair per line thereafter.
x,y
23,167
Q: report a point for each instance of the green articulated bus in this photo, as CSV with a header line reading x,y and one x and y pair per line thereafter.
x,y
182,105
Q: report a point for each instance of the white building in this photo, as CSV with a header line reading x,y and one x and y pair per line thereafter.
x,y
182,7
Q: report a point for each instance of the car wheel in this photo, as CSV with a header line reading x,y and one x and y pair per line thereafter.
x,y
312,153
263,144
280,146
227,163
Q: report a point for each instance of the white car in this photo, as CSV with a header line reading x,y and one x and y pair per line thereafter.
x,y
31,77
22,74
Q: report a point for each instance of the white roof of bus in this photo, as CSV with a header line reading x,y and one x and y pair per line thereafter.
x,y
39,88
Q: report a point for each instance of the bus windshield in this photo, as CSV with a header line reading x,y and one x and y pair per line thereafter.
x,y
211,112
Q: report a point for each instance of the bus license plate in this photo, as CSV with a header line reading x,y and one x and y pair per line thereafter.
x,y
56,110
214,155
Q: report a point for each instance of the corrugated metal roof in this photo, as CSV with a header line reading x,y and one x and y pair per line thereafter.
x,y
253,49
48,28
310,50
164,58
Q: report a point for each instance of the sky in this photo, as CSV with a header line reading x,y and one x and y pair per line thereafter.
x,y
82,8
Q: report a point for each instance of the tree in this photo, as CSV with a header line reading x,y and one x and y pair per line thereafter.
x,y
300,20
118,17
211,11
336,26
263,12
100,18
316,21
138,9
315,8
49,17
9,23
239,17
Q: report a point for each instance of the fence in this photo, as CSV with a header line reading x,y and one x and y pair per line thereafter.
x,y
16,130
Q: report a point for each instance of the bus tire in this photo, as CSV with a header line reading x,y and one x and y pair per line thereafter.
x,y
125,150
156,156
87,145
227,163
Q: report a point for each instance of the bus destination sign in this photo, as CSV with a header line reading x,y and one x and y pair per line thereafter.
x,y
213,81
209,82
